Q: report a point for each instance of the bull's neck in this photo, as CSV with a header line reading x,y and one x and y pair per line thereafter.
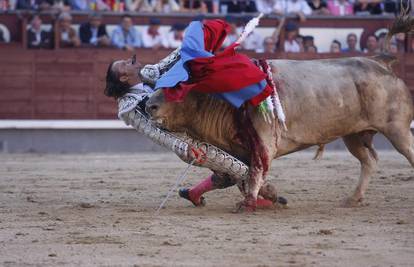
x,y
215,124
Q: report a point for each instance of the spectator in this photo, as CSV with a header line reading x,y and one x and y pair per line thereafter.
x,y
239,6
308,41
311,49
335,47
27,4
295,7
54,5
36,37
67,35
166,6
61,5
40,5
269,46
233,34
86,5
265,6
340,7
367,7
397,43
159,6
46,5
175,36
196,6
372,44
125,36
400,41
151,36
140,5
94,32
254,41
299,40
4,5
319,7
291,45
351,41
390,7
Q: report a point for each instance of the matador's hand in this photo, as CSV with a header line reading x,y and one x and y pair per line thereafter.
x,y
150,74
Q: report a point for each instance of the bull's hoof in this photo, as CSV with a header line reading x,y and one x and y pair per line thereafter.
x,y
185,193
350,202
247,205
242,208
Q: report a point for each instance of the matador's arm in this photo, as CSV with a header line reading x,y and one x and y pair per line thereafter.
x,y
151,73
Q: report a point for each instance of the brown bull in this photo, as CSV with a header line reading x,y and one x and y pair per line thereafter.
x,y
348,98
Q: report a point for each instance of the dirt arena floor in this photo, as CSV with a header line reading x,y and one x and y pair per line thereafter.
x,y
87,210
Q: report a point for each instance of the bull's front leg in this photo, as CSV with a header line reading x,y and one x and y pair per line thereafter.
x,y
259,165
256,134
254,183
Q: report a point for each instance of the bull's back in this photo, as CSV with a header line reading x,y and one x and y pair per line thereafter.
x,y
326,99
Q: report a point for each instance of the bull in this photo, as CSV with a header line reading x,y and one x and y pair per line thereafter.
x,y
348,98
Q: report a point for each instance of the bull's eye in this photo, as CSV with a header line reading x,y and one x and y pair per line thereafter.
x,y
153,108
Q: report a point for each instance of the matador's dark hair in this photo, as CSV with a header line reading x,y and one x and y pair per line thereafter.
x,y
114,87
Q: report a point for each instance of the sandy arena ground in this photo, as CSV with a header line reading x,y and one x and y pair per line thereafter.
x,y
83,210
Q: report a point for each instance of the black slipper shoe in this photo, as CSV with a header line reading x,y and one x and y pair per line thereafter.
x,y
185,193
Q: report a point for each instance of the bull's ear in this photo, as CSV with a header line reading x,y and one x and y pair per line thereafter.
x,y
123,78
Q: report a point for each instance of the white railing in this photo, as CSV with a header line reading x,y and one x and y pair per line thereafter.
x,y
69,124
63,124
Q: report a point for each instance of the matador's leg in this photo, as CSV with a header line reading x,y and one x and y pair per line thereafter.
x,y
220,181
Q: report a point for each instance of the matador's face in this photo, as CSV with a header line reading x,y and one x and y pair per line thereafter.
x,y
127,70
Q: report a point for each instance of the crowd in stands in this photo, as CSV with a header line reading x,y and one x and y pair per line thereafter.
x,y
301,8
93,33
126,36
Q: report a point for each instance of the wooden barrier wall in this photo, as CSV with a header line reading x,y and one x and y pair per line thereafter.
x,y
68,84
58,84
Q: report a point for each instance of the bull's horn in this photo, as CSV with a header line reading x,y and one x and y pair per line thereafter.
x,y
215,159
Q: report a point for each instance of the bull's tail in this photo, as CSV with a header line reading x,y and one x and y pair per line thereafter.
x,y
403,23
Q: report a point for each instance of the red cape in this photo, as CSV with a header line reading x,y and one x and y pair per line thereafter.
x,y
226,71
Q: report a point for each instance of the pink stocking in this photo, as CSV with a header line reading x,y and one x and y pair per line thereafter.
x,y
197,191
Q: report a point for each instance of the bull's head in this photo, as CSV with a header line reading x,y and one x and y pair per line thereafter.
x,y
172,116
